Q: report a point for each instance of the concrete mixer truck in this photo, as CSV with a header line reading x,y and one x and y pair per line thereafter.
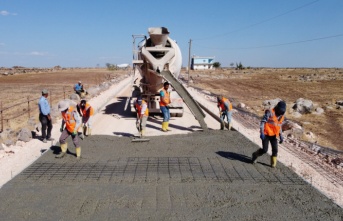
x,y
158,58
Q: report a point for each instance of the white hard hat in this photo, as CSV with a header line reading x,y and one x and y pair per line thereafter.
x,y
63,105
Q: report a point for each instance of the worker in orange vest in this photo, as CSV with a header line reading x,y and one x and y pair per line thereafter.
x,y
164,106
87,112
270,129
225,110
142,115
70,123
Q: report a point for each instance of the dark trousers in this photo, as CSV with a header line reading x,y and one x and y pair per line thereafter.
x,y
46,123
273,142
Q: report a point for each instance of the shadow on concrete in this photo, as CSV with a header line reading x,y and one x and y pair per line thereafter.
x,y
123,134
171,125
234,156
117,108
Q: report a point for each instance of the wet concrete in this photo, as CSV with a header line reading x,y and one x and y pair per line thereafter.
x,y
197,176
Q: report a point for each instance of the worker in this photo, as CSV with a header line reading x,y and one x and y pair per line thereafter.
x,y
44,116
165,105
142,115
270,129
225,110
70,123
78,88
86,111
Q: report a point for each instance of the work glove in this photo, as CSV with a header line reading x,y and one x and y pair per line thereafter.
x,y
262,136
61,129
281,139
74,133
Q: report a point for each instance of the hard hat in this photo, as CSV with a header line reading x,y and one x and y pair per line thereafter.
x,y
280,108
80,82
219,98
45,91
63,105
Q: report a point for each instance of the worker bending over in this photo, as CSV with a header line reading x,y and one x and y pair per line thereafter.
x,y
87,112
164,106
270,129
142,115
225,110
71,121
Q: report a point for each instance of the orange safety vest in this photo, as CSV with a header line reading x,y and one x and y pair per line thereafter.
x,y
166,98
273,125
139,108
69,119
222,105
85,110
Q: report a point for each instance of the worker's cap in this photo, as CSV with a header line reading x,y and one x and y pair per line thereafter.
x,y
63,105
280,108
79,82
166,83
139,101
45,91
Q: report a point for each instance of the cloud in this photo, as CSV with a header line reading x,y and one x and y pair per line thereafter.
x,y
5,13
37,53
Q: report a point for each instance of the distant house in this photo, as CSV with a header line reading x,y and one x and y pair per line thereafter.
x,y
202,63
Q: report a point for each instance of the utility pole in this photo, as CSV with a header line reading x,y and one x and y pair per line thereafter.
x,y
189,58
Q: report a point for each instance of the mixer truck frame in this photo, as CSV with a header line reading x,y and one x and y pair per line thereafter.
x,y
158,59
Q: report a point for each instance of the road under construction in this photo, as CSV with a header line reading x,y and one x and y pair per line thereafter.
x,y
184,174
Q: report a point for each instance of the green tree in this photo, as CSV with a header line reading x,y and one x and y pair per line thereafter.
x,y
216,65
239,66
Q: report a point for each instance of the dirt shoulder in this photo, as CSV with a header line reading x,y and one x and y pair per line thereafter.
x,y
253,86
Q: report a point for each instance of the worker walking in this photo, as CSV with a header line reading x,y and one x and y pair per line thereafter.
x,y
44,116
225,110
164,106
70,124
270,129
142,115
87,112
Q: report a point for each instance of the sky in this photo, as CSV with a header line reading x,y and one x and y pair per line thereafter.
x,y
263,33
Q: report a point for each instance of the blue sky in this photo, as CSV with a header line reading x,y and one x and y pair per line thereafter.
x,y
264,33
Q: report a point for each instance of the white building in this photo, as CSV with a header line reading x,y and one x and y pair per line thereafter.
x,y
202,63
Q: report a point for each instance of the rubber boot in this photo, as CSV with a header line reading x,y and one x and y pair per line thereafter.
x,y
85,130
89,131
78,152
63,152
167,126
222,125
230,125
255,155
142,133
273,160
164,126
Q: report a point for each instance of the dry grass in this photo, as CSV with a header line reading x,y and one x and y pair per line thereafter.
x,y
21,87
252,86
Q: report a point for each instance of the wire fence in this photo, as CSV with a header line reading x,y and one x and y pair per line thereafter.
x,y
26,107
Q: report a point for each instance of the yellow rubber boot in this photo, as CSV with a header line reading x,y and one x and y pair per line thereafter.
x,y
164,126
89,131
273,161
78,152
255,155
64,148
142,133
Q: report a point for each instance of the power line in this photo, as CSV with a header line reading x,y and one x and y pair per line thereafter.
x,y
281,44
258,23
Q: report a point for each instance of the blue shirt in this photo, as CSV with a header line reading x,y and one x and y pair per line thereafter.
x,y
44,107
78,87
